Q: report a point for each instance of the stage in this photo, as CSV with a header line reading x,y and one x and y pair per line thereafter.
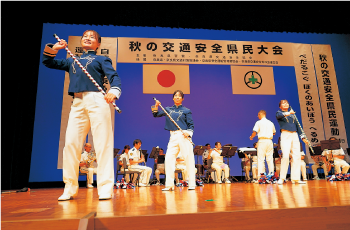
x,y
316,205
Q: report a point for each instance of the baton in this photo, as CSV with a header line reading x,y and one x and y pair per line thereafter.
x,y
87,73
302,131
189,138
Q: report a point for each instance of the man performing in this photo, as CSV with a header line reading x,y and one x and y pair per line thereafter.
x,y
135,157
89,109
289,143
265,130
179,141
125,154
218,163
88,164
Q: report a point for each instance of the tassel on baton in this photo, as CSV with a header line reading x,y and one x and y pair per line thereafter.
x,y
87,73
189,138
303,131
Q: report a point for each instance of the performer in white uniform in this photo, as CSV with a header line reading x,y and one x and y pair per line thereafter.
x,y
89,110
178,142
289,142
218,163
125,155
89,169
340,165
135,157
265,130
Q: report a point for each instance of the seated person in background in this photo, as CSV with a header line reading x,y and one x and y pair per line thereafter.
x,y
320,162
180,165
88,164
218,163
160,167
246,163
340,165
125,155
205,155
135,157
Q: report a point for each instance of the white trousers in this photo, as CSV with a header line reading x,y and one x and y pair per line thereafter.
x,y
340,163
90,173
218,169
290,143
265,149
89,111
146,173
178,143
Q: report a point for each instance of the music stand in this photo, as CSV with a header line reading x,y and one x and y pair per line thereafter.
x,y
199,150
330,144
229,151
116,151
317,151
154,153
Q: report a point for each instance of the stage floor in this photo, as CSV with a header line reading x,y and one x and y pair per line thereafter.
x,y
42,204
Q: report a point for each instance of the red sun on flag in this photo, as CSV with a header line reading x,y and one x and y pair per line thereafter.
x,y
165,79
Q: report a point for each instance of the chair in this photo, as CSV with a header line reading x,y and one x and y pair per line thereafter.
x,y
210,170
127,171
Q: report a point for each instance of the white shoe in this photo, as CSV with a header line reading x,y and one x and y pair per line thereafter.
x,y
280,182
90,186
298,182
192,188
219,182
168,189
105,197
64,197
142,185
227,181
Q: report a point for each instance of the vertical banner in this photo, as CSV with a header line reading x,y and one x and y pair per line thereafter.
x,y
329,94
310,109
108,48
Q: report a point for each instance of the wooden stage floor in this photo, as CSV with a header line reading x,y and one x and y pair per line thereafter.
x,y
318,204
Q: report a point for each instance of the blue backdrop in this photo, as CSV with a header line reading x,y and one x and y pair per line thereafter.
x,y
218,114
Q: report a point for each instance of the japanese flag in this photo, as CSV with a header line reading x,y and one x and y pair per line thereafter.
x,y
165,79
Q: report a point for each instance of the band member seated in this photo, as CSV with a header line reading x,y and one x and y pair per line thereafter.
x,y
337,155
180,165
160,167
88,164
246,163
320,162
125,154
135,157
205,155
218,163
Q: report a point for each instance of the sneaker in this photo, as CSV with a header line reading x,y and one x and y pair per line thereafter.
x,y
227,181
90,186
142,185
280,182
298,182
219,182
